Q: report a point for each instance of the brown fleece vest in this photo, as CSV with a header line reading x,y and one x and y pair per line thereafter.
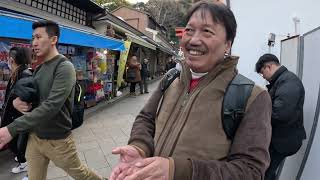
x,y
190,125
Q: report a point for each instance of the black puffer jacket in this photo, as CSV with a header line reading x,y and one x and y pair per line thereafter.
x,y
287,94
10,113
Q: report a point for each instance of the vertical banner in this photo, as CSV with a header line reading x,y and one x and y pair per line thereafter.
x,y
122,62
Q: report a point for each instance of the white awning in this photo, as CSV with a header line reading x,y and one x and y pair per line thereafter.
x,y
134,38
138,40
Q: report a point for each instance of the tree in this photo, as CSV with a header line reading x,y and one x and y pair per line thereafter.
x,y
141,6
111,5
168,13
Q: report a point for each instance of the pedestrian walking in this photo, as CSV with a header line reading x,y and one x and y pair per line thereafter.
x,y
49,124
18,61
133,74
287,94
144,76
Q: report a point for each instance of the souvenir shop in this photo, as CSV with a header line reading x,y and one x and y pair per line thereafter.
x,y
93,55
95,71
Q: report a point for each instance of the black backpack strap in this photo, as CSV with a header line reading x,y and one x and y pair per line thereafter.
x,y
234,103
77,96
166,81
168,78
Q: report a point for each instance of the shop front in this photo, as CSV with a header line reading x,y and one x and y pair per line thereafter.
x,y
92,54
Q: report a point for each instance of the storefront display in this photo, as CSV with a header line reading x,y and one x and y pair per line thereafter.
x,y
98,68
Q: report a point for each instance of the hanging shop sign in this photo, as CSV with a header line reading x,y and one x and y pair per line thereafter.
x,y
122,62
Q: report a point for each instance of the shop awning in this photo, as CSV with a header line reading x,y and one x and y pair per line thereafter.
x,y
77,37
136,39
165,49
20,28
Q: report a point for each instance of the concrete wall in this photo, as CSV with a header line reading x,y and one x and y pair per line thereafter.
x,y
256,19
311,81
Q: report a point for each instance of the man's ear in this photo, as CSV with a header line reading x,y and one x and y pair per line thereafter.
x,y
54,40
228,47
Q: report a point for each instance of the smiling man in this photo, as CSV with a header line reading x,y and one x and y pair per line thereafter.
x,y
179,134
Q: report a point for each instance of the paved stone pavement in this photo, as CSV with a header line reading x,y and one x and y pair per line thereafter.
x,y
95,139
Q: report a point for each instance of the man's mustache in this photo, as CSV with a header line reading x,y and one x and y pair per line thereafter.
x,y
196,48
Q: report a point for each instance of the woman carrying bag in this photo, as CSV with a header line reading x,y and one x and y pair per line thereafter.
x,y
133,74
18,61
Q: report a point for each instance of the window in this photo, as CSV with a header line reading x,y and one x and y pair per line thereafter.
x,y
54,5
60,8
44,7
39,6
34,4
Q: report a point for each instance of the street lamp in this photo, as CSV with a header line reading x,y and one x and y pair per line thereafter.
x,y
271,41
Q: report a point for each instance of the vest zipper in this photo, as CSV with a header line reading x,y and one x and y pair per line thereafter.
x,y
182,127
185,99
186,96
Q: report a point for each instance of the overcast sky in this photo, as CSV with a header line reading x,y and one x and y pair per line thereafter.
x,y
135,1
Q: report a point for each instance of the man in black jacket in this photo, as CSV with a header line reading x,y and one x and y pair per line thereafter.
x,y
287,94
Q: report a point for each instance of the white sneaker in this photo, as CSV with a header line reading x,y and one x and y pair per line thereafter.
x,y
25,178
16,159
22,167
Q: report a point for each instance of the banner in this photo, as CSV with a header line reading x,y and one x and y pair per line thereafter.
x,y
122,62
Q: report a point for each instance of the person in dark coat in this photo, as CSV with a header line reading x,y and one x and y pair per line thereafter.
x,y
133,74
19,59
287,94
144,76
170,64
